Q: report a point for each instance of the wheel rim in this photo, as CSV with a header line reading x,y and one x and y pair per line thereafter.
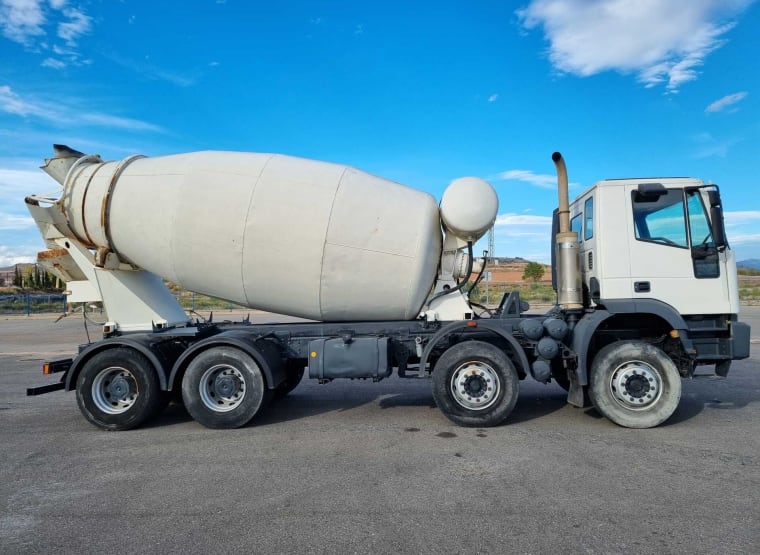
x,y
114,390
636,385
475,385
222,388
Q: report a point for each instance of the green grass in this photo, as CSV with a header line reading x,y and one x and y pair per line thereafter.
x,y
749,293
196,301
543,292
537,292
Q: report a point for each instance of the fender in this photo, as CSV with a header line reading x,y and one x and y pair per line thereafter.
x,y
495,327
140,343
264,353
586,327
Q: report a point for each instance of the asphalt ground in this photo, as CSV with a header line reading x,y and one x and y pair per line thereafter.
x,y
357,467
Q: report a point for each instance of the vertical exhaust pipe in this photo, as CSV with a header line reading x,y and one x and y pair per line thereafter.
x,y
569,292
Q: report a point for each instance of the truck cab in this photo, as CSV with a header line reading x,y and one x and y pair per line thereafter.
x,y
653,252
655,239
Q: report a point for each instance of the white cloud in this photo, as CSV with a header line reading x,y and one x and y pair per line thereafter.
x,y
723,103
542,180
710,146
28,22
523,235
59,112
78,24
493,98
22,180
20,20
511,219
15,222
20,238
10,256
12,103
149,71
744,239
106,120
662,41
54,63
740,217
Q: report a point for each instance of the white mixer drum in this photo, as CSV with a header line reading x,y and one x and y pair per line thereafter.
x,y
289,235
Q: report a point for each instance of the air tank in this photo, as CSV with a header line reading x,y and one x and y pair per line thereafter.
x,y
289,235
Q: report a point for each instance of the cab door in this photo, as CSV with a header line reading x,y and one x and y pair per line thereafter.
x,y
673,255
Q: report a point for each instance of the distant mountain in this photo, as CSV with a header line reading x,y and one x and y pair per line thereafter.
x,y
21,266
753,263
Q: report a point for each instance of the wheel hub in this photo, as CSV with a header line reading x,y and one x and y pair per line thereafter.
x,y
227,385
119,388
114,390
475,385
222,388
636,385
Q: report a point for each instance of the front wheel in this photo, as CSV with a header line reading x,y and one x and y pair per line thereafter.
x,y
224,387
475,384
634,384
118,389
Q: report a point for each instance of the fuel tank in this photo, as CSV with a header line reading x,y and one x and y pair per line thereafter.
x,y
289,235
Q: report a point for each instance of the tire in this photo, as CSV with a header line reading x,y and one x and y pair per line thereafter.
x,y
224,388
475,384
634,384
294,370
118,389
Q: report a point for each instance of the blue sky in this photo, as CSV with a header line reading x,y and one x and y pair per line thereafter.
x,y
417,92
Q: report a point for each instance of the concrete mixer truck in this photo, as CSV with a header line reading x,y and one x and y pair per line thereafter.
x,y
646,288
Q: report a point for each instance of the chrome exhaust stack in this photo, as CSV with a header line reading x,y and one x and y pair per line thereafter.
x,y
569,291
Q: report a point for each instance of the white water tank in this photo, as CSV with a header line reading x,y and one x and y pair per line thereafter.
x,y
468,207
288,235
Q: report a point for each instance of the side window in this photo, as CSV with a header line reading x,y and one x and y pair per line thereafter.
x,y
575,225
588,209
701,234
660,218
703,251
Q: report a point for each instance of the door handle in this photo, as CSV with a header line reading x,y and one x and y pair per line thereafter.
x,y
642,286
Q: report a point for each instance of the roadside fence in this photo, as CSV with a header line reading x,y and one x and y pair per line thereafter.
x,y
33,303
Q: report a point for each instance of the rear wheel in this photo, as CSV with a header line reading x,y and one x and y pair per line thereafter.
x,y
224,387
634,384
118,389
475,384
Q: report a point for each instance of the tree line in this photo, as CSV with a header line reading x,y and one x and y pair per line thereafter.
x,y
34,277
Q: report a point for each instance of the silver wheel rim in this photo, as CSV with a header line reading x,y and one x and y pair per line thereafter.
x,y
636,385
475,385
222,388
114,390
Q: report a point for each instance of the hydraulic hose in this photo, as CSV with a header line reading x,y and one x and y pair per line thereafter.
x,y
464,281
482,272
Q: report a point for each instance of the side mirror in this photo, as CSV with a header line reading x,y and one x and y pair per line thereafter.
x,y
716,220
